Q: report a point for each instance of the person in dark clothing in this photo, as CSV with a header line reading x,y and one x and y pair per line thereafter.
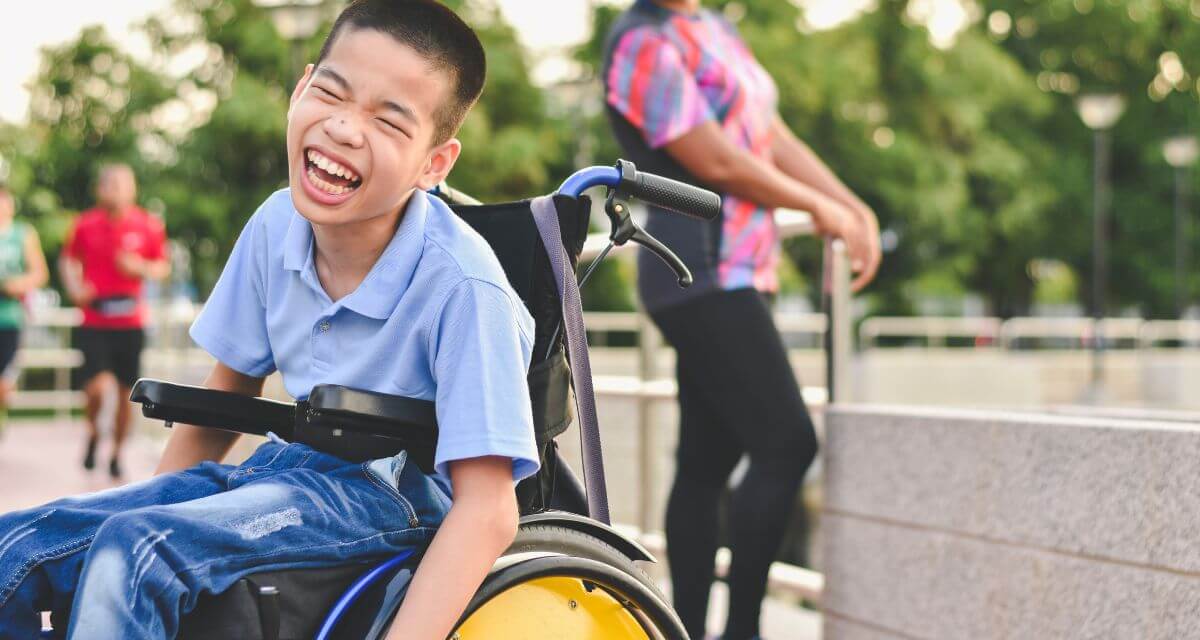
x,y
687,99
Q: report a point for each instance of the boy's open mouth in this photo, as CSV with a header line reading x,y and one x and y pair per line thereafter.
x,y
328,176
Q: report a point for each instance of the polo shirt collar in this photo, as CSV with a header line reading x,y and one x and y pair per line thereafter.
x,y
379,293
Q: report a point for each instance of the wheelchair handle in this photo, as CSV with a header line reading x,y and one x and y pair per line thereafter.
x,y
649,188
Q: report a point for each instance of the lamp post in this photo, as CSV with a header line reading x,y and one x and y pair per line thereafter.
x,y
1181,153
295,21
1099,112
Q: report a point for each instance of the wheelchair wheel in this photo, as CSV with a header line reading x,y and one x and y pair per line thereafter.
x,y
561,540
557,582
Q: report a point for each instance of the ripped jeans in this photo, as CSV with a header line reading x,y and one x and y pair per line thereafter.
x,y
129,562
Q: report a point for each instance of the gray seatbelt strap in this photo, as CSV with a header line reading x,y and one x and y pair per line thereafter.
x,y
546,217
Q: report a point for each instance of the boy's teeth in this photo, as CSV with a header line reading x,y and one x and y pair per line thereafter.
x,y
331,189
329,166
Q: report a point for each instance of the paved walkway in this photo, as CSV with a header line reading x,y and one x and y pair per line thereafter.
x,y
41,461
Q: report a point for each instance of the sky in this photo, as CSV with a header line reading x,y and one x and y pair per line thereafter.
x,y
543,26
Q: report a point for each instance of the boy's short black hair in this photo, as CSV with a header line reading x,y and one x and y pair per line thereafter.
x,y
434,32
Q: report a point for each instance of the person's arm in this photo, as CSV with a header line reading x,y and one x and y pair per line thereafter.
x,y
480,525
706,152
152,262
135,266
190,445
70,269
792,156
36,272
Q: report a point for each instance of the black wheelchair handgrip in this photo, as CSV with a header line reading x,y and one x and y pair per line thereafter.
x,y
676,196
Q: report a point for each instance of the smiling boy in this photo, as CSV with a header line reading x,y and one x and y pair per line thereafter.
x,y
352,276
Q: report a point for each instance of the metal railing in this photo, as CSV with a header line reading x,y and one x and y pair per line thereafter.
x,y
1026,332
46,345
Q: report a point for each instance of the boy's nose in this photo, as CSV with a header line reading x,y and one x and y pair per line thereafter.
x,y
344,129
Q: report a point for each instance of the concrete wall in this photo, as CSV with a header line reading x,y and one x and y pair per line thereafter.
x,y
962,524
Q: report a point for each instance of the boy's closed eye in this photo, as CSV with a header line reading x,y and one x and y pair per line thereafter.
x,y
326,93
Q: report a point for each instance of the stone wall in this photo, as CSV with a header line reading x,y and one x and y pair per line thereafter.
x,y
971,524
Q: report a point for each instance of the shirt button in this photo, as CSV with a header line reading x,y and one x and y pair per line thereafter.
x,y
324,327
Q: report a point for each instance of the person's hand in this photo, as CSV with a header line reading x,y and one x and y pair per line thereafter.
x,y
11,288
836,220
82,295
131,264
868,263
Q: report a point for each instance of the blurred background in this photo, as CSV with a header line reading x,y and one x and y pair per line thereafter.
x,y
957,120
1031,165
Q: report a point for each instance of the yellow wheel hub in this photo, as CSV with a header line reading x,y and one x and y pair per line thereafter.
x,y
559,608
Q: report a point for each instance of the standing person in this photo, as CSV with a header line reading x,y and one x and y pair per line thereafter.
x,y
22,269
110,250
687,100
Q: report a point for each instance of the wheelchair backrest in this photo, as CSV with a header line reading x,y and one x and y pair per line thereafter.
x,y
510,230
513,236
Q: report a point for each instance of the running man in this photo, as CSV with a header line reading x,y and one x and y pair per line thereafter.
x,y
110,250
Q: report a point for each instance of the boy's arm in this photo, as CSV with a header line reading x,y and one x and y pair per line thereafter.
x,y
190,445
480,525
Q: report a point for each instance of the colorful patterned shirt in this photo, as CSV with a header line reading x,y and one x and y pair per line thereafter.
x,y
668,72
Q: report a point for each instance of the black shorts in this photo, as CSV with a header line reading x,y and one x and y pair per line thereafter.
x,y
9,339
116,350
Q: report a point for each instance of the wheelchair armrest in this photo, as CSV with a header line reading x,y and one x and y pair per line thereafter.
x,y
377,413
210,408
356,424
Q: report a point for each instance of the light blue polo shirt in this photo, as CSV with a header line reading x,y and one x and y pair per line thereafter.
x,y
434,319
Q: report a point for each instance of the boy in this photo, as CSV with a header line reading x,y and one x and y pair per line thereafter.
x,y
354,276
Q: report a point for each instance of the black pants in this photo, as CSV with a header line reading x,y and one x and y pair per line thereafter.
x,y
737,395
116,350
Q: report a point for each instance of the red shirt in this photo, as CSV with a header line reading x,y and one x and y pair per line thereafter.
x,y
94,240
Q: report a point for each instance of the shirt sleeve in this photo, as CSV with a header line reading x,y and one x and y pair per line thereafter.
x,y
232,326
481,348
650,85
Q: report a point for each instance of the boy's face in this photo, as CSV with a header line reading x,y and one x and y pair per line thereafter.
x,y
360,130
6,206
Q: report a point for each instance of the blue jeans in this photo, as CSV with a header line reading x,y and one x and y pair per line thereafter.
x,y
129,562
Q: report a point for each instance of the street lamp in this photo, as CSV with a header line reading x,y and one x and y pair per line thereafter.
x,y
295,21
1099,112
1181,153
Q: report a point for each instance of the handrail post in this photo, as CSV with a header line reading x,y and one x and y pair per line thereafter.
x,y
836,300
649,343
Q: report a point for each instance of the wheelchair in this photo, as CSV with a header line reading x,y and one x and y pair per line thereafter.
x,y
568,574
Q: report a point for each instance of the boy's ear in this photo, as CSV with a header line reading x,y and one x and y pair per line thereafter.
x,y
300,86
441,161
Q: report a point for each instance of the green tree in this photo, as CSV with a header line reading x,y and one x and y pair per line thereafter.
x,y
90,103
972,155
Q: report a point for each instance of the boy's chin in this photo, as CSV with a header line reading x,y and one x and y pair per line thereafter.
x,y
322,215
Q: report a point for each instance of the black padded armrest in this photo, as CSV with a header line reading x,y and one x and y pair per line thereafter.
x,y
381,413
210,408
359,425
336,398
